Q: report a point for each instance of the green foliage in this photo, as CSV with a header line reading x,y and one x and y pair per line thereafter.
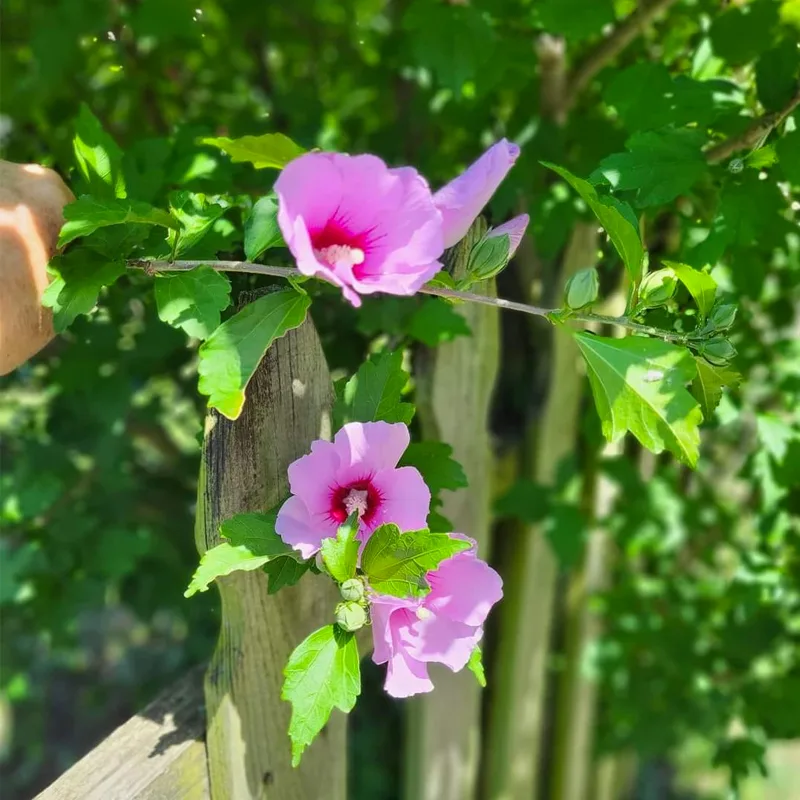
x,y
196,215
192,300
322,673
436,464
268,150
582,288
396,562
575,19
340,555
708,385
261,231
98,157
475,666
701,286
230,356
639,385
617,218
436,321
374,392
86,215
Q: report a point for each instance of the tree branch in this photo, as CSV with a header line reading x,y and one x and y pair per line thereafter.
x,y
154,267
605,52
753,135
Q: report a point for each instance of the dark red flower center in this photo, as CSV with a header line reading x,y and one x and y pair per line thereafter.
x,y
360,496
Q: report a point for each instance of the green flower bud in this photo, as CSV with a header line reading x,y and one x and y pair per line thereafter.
x,y
657,287
352,590
582,288
722,317
718,351
351,616
489,257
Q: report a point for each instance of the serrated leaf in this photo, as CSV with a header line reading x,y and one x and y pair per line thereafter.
x,y
396,563
340,555
708,385
192,300
617,219
322,673
436,321
230,356
87,214
268,150
374,392
285,571
196,215
475,666
639,386
436,464
261,231
98,157
775,435
78,279
659,165
222,560
702,287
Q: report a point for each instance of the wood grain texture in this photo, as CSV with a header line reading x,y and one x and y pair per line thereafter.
x,y
513,748
157,755
244,468
454,392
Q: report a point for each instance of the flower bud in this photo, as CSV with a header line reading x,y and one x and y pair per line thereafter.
x,y
722,317
657,287
582,288
489,257
351,616
352,590
718,351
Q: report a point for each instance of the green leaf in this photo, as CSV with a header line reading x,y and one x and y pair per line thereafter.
x,y
322,673
526,501
230,356
775,435
617,218
637,95
396,563
98,156
285,571
659,165
436,464
639,386
574,19
340,555
788,152
223,560
776,74
196,215
374,392
708,385
475,666
566,533
268,150
261,231
87,214
192,300
78,278
702,287
436,321
744,31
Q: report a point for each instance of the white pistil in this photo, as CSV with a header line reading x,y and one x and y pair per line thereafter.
x,y
341,255
424,613
356,500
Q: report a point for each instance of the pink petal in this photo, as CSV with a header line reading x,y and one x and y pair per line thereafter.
x,y
365,448
312,476
461,200
381,612
406,500
406,677
299,529
309,188
514,229
444,641
464,589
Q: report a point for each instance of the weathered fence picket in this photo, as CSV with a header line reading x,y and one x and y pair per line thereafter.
x,y
244,466
454,391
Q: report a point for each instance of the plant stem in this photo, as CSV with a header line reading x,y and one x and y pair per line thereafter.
x,y
152,267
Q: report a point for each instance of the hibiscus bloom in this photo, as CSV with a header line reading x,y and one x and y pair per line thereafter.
x,y
369,228
356,472
442,627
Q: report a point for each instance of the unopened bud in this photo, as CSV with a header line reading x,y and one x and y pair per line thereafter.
x,y
489,257
718,351
582,288
657,287
722,317
352,590
351,616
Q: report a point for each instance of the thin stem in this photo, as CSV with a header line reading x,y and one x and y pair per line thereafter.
x,y
153,267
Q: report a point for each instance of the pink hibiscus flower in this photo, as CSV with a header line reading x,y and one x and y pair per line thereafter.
x,y
368,228
443,627
357,471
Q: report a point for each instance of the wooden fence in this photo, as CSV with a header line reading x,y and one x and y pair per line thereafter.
x,y
223,734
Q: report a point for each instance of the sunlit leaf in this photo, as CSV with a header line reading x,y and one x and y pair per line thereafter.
x,y
192,300
268,150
